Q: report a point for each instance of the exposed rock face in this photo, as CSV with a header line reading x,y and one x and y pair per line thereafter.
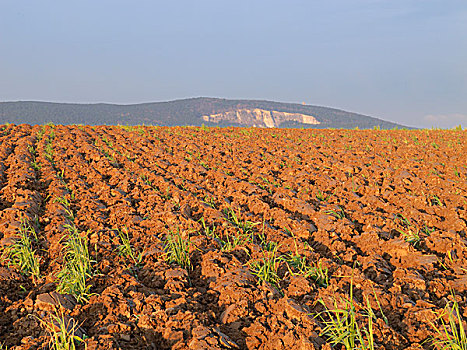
x,y
259,117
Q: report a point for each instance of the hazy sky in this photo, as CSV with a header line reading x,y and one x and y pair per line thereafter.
x,y
400,60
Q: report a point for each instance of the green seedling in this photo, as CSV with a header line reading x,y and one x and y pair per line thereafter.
x,y
62,332
266,269
36,165
63,201
167,195
402,220
66,206
341,324
450,335
32,150
246,226
412,236
204,165
209,200
40,133
338,214
229,242
177,250
146,180
126,249
77,265
265,244
436,201
427,230
61,177
209,231
49,152
3,255
21,253
298,262
107,142
315,271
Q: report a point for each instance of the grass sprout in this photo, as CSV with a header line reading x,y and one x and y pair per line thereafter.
x,y
264,242
62,331
322,197
450,335
66,206
227,242
315,271
177,250
435,200
77,266
208,230
21,253
266,268
338,214
341,324
411,236
402,220
209,200
246,226
230,242
126,249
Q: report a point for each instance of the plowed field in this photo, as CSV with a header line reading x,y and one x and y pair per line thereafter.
x,y
210,238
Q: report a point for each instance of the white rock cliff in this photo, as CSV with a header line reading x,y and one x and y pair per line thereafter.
x,y
259,117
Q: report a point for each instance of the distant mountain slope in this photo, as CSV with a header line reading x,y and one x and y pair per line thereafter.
x,y
194,111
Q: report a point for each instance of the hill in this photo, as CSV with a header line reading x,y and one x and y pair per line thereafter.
x,y
194,111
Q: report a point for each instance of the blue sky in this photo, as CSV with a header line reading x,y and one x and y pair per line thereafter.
x,y
400,60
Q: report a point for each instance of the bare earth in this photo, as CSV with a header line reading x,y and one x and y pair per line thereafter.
x,y
382,213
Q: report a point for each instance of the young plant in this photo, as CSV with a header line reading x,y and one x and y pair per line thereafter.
x,y
62,331
436,201
427,230
209,231
146,179
66,206
77,266
209,200
21,253
450,335
265,244
36,165
49,151
322,197
228,242
246,226
177,250
315,271
402,220
267,267
40,133
126,249
342,327
338,214
412,236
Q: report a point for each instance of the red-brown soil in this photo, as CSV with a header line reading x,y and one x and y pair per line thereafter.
x,y
335,197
